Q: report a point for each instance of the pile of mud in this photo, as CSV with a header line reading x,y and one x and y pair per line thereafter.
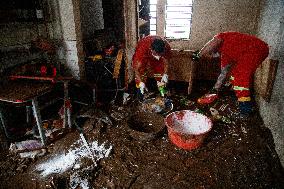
x,y
236,154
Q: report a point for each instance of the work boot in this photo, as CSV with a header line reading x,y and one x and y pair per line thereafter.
x,y
245,109
139,95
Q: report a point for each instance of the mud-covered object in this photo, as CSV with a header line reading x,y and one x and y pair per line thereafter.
x,y
239,154
100,72
157,105
118,113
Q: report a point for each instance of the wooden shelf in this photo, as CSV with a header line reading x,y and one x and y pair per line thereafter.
x,y
22,11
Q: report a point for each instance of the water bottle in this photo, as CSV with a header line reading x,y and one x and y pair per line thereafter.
x,y
162,90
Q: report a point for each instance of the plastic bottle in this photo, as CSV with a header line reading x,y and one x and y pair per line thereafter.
x,y
162,90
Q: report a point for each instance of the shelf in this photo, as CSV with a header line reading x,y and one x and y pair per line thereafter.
x,y
22,11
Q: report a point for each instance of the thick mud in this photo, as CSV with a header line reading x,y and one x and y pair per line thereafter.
x,y
236,153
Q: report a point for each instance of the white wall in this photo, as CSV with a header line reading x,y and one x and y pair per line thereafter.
x,y
271,30
71,49
213,16
91,16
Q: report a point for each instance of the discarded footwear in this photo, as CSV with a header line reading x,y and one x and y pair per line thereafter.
x,y
207,98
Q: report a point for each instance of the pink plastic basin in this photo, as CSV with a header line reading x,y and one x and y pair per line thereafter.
x,y
187,129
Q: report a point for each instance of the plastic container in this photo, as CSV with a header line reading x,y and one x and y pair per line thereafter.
x,y
162,90
207,99
187,129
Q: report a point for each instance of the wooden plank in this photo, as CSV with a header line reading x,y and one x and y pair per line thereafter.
x,y
265,77
182,68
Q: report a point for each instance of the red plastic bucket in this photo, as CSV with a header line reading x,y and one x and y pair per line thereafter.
x,y
187,129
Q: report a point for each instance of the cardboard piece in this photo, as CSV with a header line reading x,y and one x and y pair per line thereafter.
x,y
182,68
264,78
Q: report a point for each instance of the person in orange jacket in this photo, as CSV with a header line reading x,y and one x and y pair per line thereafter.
x,y
241,54
150,60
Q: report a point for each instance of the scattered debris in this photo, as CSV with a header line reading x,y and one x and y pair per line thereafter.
x,y
234,155
28,148
81,178
186,102
126,98
72,159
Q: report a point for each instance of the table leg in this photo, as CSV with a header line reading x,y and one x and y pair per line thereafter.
x,y
3,123
38,120
94,95
67,107
69,117
28,115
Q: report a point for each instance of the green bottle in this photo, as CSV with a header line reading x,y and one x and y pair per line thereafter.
x,y
162,90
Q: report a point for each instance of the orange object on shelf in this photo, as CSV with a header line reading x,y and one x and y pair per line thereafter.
x,y
207,98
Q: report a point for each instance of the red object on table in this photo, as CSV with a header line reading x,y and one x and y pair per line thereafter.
x,y
43,70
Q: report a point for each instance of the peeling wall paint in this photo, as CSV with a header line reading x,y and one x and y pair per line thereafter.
x,y
271,30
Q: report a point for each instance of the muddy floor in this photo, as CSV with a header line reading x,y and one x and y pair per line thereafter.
x,y
236,153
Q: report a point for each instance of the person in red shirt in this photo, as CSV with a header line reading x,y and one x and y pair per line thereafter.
x,y
150,60
241,54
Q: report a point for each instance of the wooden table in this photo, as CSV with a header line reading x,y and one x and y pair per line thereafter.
x,y
25,91
57,79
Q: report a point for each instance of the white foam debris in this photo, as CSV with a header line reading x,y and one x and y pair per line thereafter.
x,y
77,181
191,123
65,161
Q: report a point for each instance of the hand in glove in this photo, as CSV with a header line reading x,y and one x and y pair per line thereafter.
x,y
165,78
160,84
196,55
162,88
142,87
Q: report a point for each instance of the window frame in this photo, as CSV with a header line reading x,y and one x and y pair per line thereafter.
x,y
161,21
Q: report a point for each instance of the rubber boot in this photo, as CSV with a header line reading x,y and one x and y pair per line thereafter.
x,y
245,109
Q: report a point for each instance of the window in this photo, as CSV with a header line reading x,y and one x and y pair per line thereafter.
x,y
171,18
153,17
